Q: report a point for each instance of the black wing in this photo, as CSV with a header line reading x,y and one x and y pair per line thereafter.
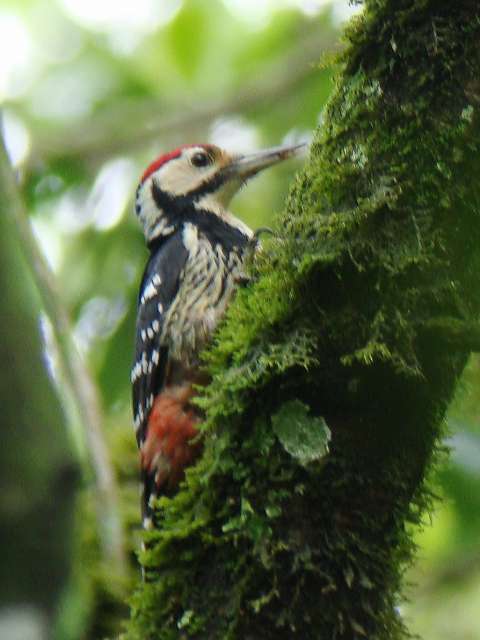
x,y
159,286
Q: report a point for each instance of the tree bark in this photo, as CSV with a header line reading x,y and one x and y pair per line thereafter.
x,y
363,310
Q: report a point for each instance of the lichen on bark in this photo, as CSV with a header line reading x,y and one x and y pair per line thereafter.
x,y
350,312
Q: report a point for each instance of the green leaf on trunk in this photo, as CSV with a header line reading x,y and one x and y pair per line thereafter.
x,y
303,436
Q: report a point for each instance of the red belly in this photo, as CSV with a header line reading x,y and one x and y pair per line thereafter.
x,y
168,448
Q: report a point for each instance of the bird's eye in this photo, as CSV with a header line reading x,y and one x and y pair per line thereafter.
x,y
201,159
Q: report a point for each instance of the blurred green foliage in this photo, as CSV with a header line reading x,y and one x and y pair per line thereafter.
x,y
92,94
445,592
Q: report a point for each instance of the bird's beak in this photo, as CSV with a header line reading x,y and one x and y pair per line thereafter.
x,y
246,166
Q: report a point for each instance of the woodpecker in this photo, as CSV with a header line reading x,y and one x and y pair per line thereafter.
x,y
197,248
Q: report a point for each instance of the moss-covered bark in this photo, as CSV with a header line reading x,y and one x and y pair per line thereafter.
x,y
364,310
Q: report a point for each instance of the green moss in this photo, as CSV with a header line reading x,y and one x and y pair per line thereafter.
x,y
93,604
379,238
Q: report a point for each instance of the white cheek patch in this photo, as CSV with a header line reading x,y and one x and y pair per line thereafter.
x,y
179,177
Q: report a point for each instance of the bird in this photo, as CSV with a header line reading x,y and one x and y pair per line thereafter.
x,y
197,249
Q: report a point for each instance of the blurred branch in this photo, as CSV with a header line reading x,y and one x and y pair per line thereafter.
x,y
131,125
76,376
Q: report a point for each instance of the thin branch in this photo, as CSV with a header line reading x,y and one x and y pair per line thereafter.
x,y
131,125
76,376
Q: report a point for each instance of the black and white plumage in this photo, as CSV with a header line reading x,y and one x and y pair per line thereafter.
x,y
197,248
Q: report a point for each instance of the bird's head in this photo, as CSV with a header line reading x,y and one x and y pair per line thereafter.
x,y
199,177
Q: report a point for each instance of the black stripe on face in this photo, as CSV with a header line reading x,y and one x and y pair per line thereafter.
x,y
210,186
178,210
165,200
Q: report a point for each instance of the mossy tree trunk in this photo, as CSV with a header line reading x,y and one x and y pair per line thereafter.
x,y
363,311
